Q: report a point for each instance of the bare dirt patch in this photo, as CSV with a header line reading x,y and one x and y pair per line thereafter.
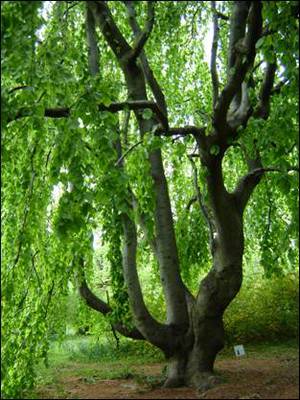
x,y
244,378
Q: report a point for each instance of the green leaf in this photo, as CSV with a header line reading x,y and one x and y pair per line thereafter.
x,y
147,113
214,150
260,42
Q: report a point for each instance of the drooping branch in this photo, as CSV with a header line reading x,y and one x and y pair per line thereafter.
x,y
93,52
126,127
142,222
213,59
101,306
120,160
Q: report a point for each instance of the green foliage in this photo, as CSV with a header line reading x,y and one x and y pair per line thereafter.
x,y
60,179
90,349
264,310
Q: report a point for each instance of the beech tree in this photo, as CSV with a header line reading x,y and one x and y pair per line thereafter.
x,y
115,104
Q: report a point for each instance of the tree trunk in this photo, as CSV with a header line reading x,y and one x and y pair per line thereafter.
x,y
193,363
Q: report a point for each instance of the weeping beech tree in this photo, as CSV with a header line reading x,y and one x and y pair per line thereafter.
x,y
104,84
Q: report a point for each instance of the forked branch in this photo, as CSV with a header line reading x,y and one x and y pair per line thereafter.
x,y
148,73
241,58
101,306
142,37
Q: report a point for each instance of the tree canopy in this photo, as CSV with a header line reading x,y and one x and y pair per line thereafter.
x,y
110,110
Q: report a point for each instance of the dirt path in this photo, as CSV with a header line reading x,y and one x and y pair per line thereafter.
x,y
244,378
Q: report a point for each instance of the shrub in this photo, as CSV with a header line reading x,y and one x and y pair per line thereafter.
x,y
265,309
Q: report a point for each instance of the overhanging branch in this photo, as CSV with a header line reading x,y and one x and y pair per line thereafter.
x,y
136,105
63,112
249,181
181,131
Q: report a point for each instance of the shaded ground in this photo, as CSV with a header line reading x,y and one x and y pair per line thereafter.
x,y
244,378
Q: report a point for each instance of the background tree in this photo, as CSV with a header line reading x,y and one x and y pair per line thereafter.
x,y
69,99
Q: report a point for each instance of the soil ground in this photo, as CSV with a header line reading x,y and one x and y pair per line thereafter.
x,y
246,377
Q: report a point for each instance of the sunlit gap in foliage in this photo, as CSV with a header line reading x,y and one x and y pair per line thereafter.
x,y
45,12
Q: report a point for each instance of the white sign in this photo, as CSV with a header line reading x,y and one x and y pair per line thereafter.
x,y
239,350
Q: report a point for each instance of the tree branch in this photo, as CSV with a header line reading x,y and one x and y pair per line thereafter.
x,y
125,127
242,55
151,329
142,37
93,52
111,32
181,131
214,48
99,305
277,88
263,108
148,73
21,87
221,15
64,112
203,207
136,105
119,161
248,183
142,223
238,22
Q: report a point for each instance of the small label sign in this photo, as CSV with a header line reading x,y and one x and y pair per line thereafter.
x,y
239,350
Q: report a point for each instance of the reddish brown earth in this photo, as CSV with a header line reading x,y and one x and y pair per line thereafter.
x,y
244,378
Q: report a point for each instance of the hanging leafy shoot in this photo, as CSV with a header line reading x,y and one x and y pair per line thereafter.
x,y
182,151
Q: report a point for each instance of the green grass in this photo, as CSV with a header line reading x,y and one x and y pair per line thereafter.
x,y
93,359
287,348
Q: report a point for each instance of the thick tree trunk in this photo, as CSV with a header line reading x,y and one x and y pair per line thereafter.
x,y
193,363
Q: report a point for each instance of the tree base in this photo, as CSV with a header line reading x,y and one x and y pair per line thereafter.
x,y
199,381
205,381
